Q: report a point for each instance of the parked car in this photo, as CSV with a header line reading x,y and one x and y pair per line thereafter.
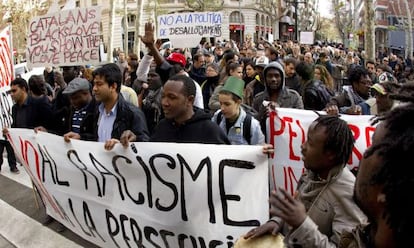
x,y
21,70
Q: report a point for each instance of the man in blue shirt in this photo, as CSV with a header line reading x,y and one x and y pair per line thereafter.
x,y
114,114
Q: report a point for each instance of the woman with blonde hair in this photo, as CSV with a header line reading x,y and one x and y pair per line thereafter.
x,y
322,74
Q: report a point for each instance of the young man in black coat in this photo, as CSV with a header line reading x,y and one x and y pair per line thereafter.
x,y
183,123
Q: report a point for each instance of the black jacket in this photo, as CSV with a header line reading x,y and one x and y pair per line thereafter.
x,y
315,95
87,125
38,113
198,129
128,117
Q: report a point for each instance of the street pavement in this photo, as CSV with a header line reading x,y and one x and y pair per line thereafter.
x,y
21,214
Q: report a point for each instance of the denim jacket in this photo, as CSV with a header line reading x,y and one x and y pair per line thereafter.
x,y
235,133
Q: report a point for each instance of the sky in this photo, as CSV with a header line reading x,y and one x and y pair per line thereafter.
x,y
325,8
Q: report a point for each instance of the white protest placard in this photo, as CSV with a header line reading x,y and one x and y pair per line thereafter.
x,y
287,132
185,30
307,37
149,194
68,37
6,76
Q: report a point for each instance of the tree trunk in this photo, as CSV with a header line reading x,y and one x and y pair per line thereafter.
x,y
409,32
109,57
137,41
125,28
369,32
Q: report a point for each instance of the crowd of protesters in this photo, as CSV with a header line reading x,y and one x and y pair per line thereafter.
x,y
222,94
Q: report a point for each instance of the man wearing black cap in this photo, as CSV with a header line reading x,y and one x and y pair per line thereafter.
x,y
83,107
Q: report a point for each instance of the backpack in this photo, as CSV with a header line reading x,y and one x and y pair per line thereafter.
x,y
324,94
249,110
247,124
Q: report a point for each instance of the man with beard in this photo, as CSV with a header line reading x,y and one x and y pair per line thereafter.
x,y
385,180
322,207
352,100
276,93
292,79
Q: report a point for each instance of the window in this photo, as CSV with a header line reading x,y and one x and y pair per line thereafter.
x,y
236,17
380,15
131,20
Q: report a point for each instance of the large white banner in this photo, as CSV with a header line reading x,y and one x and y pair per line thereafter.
x,y
6,76
185,30
149,194
68,37
288,132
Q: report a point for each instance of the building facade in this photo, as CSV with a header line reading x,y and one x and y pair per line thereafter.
x,y
268,19
240,18
391,23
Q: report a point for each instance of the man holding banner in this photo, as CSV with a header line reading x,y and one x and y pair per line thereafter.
x,y
322,207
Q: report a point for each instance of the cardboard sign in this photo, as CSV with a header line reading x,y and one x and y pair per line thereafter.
x,y
185,30
68,37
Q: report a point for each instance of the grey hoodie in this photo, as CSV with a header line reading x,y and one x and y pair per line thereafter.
x,y
287,98
279,67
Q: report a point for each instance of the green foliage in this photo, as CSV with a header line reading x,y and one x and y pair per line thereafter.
x,y
392,28
270,7
205,5
20,14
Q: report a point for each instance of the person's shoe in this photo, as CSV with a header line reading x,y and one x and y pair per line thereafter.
x,y
47,220
15,170
60,228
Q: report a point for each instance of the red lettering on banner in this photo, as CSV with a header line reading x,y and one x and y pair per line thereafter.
x,y
6,73
368,135
24,146
292,135
355,130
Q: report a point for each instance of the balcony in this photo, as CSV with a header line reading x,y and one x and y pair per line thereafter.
x,y
381,4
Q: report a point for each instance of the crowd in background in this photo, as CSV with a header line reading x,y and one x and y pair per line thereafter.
x,y
218,93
